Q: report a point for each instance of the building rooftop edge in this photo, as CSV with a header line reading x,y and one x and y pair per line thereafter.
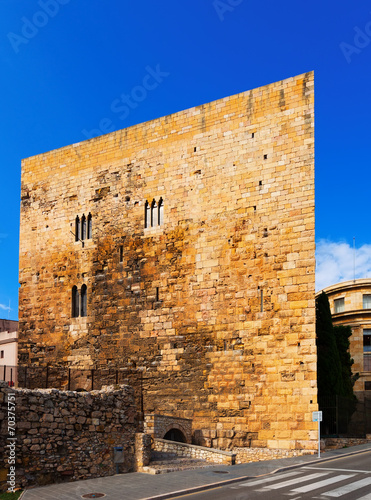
x,y
76,144
359,283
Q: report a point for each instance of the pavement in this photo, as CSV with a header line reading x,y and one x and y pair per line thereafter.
x,y
139,486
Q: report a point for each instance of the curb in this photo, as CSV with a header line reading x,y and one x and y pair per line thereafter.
x,y
205,487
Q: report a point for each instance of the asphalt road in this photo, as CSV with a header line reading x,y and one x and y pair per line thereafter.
x,y
347,478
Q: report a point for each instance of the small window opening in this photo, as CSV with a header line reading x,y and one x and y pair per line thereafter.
x,y
90,226
147,214
75,302
194,149
260,183
157,294
121,251
154,214
253,135
77,228
160,212
339,305
83,227
84,300
1,354
261,301
265,157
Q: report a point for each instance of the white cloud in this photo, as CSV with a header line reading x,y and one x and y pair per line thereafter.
x,y
335,263
5,308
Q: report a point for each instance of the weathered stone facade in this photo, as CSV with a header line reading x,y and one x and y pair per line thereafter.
x,y
213,301
64,436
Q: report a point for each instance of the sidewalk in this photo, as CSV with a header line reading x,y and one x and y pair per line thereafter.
x,y
138,486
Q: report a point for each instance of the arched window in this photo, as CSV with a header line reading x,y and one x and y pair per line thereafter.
x,y
90,226
160,212
154,214
147,215
84,301
77,229
83,227
75,302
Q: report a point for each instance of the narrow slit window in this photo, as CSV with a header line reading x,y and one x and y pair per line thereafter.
x,y
157,294
147,214
160,212
154,214
83,228
84,300
121,251
90,226
75,302
77,228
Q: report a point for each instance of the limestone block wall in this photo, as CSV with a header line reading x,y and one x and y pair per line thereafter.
x,y
63,436
213,302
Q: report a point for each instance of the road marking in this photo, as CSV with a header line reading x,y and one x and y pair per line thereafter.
x,y
297,480
339,470
348,488
322,484
270,479
367,497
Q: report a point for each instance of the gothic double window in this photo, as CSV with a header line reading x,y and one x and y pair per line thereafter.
x,y
79,301
154,213
83,228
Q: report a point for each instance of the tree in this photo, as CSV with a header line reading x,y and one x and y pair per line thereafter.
x,y
342,335
329,370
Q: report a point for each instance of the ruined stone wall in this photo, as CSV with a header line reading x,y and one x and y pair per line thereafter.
x,y
65,436
215,306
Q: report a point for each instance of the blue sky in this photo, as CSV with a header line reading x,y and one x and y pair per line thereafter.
x,y
67,63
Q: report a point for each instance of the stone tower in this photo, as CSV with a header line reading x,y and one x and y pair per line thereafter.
x,y
183,248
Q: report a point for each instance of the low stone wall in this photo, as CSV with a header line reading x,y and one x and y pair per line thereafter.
x,y
337,443
159,425
172,448
65,435
245,455
143,449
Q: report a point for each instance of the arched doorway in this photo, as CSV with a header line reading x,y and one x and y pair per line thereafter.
x,y
175,435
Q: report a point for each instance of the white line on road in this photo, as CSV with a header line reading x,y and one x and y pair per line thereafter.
x,y
297,480
271,478
348,488
322,484
338,470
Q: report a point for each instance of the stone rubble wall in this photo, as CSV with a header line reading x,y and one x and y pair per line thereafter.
x,y
245,455
336,443
67,436
173,448
143,447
